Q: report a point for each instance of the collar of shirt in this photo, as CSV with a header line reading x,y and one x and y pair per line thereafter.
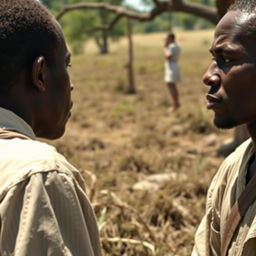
x,y
10,121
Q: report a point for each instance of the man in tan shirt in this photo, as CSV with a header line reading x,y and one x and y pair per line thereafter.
x,y
231,78
43,207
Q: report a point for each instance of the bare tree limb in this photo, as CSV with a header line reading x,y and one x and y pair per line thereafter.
x,y
108,7
156,2
160,7
105,27
199,10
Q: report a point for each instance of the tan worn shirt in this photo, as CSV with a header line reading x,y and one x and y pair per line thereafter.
x,y
225,189
43,207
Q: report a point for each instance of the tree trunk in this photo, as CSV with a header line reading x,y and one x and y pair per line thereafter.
x,y
104,45
104,33
130,72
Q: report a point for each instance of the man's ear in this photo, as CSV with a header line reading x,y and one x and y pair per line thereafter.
x,y
38,73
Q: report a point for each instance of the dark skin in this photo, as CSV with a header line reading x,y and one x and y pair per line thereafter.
x,y
232,77
43,95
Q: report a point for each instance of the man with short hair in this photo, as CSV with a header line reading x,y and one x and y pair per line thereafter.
x,y
229,225
43,207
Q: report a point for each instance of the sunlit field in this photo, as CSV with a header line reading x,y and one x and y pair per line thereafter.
x,y
117,139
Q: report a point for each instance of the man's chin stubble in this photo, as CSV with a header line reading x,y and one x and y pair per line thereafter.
x,y
224,123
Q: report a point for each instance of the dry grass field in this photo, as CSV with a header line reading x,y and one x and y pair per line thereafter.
x,y
116,140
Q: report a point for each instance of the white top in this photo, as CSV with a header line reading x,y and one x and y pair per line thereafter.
x,y
174,51
172,69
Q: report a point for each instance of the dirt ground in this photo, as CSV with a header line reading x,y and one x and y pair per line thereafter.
x,y
116,140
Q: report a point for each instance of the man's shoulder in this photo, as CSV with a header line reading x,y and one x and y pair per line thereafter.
x,y
241,152
19,159
232,164
27,150
231,168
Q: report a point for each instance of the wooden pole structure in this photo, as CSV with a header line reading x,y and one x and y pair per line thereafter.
x,y
130,70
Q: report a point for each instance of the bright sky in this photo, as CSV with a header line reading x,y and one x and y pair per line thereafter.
x,y
137,4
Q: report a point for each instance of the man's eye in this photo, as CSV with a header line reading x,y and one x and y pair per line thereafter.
x,y
222,60
226,60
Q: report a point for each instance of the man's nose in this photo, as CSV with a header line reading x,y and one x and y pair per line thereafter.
x,y
211,76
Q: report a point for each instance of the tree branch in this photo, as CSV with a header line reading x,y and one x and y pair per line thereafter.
x,y
156,2
196,9
105,27
160,7
108,7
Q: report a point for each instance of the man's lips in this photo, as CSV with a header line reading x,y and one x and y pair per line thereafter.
x,y
212,101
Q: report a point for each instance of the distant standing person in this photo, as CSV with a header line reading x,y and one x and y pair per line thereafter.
x,y
172,69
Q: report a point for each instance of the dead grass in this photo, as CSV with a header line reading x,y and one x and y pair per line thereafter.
x,y
123,138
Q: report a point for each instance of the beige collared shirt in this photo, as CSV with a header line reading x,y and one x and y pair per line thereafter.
x,y
43,207
225,189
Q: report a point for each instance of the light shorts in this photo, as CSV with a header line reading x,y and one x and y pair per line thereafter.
x,y
172,72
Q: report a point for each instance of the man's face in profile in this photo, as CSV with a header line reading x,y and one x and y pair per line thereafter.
x,y
57,102
232,74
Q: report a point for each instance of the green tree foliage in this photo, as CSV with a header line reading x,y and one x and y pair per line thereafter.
x,y
160,23
54,5
167,21
75,25
78,25
190,22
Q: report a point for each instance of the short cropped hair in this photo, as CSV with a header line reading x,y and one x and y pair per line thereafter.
x,y
248,6
27,31
248,17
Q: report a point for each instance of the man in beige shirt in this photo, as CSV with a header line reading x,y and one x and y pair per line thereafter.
x,y
231,78
43,207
